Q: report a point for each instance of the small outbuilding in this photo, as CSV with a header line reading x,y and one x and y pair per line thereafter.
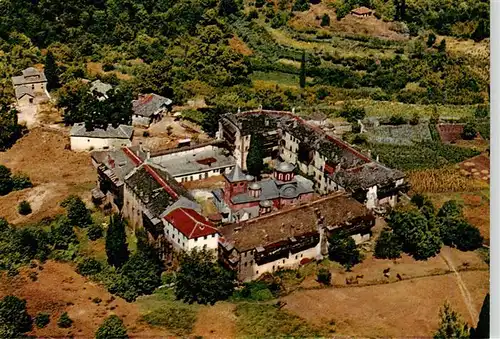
x,y
149,108
100,138
362,12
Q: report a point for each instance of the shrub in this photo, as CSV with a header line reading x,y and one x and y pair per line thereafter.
x,y
95,232
145,134
14,319
397,120
324,276
24,208
89,266
325,20
253,14
469,131
77,212
388,245
42,320
255,291
481,111
64,321
111,328
352,114
415,119
431,39
20,181
108,67
259,3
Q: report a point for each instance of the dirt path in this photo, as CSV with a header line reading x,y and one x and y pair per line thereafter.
x,y
461,285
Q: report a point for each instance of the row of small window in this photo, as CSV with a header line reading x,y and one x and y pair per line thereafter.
x,y
195,239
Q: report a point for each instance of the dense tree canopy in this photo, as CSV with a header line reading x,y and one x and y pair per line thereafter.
x,y
76,211
343,249
14,319
201,279
116,241
10,130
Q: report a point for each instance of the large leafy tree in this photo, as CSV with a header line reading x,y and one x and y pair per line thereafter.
x,y
76,210
112,328
388,245
14,318
116,241
451,325
419,235
201,279
63,234
255,156
343,249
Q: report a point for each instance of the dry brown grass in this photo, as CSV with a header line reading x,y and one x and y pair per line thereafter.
x,y
95,68
60,289
350,24
401,309
54,170
239,46
443,180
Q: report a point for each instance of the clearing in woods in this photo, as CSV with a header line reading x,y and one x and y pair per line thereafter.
x,y
54,170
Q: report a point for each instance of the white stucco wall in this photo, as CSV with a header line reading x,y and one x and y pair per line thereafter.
x,y
85,144
181,242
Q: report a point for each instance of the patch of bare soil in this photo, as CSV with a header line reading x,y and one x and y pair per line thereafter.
x,y
60,289
239,46
216,321
402,309
54,170
349,24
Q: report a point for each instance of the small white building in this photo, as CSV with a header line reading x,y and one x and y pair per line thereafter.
x,y
100,139
186,230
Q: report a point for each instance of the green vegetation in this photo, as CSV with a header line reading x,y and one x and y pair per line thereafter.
x,y
9,182
164,311
255,157
421,155
253,291
469,131
116,241
42,320
111,327
51,71
64,321
324,276
264,320
451,325
14,318
24,208
76,211
343,250
201,279
388,245
95,231
10,130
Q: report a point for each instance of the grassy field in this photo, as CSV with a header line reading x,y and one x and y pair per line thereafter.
x,y
278,78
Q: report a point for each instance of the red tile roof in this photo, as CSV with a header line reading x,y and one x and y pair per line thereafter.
x,y
190,223
135,159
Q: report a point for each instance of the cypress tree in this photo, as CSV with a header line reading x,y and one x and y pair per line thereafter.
x,y
116,241
255,157
51,71
303,70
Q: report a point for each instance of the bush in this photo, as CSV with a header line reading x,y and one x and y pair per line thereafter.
x,y
111,328
324,276
145,134
253,14
325,20
95,232
397,120
343,250
388,245
20,181
89,266
415,119
178,319
469,131
77,212
64,321
108,67
42,320
352,114
14,319
254,291
24,208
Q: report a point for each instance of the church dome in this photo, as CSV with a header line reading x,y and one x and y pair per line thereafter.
x,y
265,203
249,177
254,186
285,167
